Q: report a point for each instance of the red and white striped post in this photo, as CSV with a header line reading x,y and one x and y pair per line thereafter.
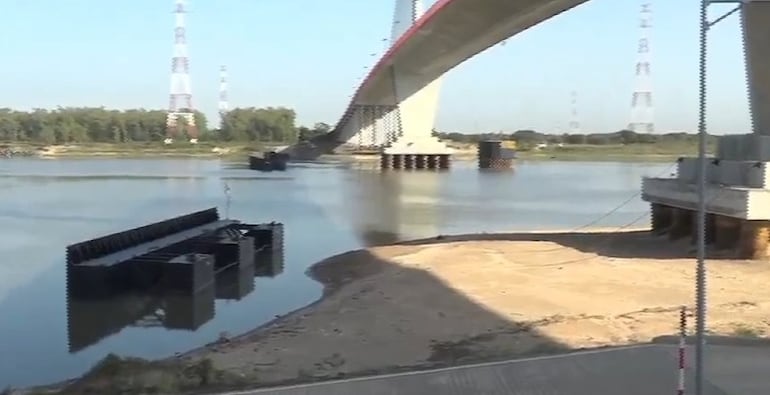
x,y
682,345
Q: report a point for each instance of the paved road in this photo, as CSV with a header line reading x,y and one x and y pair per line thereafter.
x,y
640,370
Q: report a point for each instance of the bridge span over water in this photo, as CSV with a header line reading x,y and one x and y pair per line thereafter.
x,y
395,106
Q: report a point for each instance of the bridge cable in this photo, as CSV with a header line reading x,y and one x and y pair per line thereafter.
x,y
610,212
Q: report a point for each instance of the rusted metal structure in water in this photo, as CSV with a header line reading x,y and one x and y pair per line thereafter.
x,y
181,253
493,155
178,267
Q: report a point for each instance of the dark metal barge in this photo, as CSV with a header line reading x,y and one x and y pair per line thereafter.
x,y
268,161
493,155
182,253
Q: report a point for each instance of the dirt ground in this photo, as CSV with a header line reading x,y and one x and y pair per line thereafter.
x,y
483,297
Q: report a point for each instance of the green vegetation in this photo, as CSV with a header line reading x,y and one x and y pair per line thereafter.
x,y
100,125
129,376
622,145
529,139
105,132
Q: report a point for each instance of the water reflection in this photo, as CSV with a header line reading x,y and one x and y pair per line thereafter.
x,y
92,319
390,206
327,209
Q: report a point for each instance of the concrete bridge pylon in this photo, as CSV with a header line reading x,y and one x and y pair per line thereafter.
x,y
401,124
414,144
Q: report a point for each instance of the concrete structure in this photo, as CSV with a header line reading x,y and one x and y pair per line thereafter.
x,y
404,123
637,370
395,106
738,192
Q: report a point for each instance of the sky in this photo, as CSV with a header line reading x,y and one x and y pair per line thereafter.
x,y
309,55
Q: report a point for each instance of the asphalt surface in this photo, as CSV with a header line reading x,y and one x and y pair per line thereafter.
x,y
638,370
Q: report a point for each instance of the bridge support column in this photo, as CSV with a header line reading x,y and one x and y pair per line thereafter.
x,y
417,114
755,18
739,178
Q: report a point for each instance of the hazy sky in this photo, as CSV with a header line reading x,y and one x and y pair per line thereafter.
x,y
308,54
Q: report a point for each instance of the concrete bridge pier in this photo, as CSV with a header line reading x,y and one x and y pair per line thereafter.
x,y
738,179
417,113
414,146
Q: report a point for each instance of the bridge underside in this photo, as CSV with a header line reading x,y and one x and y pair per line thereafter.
x,y
403,88
372,126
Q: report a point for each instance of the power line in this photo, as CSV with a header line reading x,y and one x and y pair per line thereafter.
x,y
607,237
642,110
610,212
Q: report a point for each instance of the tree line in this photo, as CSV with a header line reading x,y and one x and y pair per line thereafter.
x,y
530,138
270,124
83,125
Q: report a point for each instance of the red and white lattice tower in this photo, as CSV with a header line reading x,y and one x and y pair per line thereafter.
x,y
642,111
180,107
224,105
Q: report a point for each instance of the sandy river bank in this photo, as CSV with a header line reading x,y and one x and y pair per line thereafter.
x,y
482,297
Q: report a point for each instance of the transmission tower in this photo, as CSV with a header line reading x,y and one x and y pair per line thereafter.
x,y
224,105
180,99
642,111
574,123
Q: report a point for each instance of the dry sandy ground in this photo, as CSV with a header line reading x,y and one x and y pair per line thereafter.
x,y
448,301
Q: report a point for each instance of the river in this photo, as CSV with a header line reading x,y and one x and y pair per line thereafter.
x,y
326,208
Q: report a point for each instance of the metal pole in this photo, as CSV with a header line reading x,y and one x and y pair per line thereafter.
x,y
700,272
682,346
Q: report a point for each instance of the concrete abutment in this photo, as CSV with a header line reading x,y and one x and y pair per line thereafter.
x,y
737,189
744,239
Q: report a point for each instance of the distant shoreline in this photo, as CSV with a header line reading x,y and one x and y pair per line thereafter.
x,y
239,151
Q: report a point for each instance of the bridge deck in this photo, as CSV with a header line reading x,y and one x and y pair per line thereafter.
x,y
640,370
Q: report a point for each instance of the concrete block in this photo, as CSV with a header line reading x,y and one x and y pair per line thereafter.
x,y
740,173
756,30
744,147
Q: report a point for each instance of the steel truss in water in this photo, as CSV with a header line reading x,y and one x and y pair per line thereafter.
x,y
182,253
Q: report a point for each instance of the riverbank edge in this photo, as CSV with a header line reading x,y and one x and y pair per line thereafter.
x,y
241,152
329,287
353,158
330,273
327,273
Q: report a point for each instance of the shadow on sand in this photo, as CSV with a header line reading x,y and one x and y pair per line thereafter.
x,y
375,317
613,244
